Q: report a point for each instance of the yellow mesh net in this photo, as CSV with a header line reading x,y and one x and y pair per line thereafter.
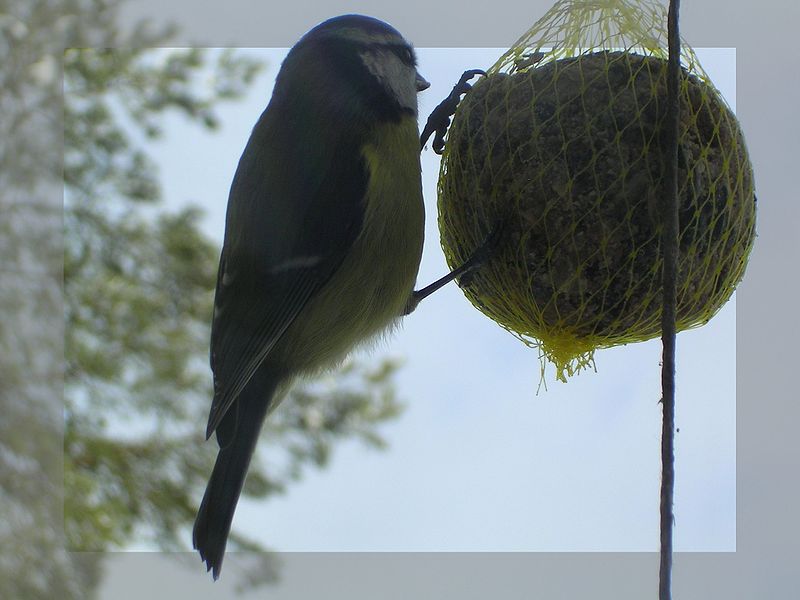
x,y
562,141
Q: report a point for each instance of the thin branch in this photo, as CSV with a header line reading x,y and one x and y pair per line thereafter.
x,y
669,245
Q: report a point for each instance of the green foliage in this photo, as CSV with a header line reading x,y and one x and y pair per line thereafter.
x,y
114,94
138,291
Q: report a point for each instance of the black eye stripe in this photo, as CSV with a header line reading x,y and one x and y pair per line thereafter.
x,y
404,53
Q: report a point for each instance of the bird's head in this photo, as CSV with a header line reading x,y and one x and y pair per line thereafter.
x,y
366,58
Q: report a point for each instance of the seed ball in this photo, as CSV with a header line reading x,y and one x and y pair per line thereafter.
x,y
569,156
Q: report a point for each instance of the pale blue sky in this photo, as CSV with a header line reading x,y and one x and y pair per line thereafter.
x,y
479,461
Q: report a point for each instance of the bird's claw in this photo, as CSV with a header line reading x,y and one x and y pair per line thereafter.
x,y
462,274
439,120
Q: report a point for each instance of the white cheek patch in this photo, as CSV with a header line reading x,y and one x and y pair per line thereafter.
x,y
397,78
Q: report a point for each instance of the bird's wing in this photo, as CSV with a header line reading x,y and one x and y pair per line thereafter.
x,y
293,214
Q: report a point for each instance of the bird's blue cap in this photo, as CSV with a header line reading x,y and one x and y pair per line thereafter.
x,y
352,25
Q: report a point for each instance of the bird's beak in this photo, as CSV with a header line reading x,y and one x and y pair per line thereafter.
x,y
422,83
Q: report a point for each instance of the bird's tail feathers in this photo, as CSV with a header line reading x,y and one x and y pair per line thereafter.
x,y
241,427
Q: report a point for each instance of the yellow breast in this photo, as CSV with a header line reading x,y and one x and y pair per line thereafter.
x,y
371,287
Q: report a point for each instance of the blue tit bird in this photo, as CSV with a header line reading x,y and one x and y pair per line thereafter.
x,y
323,237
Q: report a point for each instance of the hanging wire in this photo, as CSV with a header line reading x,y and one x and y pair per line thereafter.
x,y
668,315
